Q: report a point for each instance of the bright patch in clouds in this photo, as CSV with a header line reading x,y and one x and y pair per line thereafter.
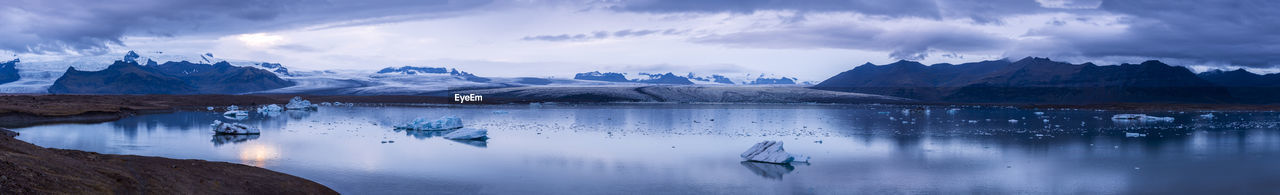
x,y
260,40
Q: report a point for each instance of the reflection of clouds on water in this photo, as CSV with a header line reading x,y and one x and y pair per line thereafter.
x,y
768,170
258,154
298,114
219,140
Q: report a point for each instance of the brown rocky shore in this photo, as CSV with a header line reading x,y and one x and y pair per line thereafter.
x,y
29,169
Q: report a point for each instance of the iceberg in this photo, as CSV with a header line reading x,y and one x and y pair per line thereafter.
x,y
1013,120
468,134
210,108
444,123
297,103
771,152
1140,117
233,107
220,127
235,113
326,104
1207,116
270,108
1127,134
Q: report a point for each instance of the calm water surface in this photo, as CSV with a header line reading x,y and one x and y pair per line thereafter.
x,y
693,149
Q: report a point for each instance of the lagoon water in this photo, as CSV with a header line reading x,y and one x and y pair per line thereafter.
x,y
693,149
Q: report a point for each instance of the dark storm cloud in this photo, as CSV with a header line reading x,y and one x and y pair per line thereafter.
x,y
1244,32
902,44
39,26
603,34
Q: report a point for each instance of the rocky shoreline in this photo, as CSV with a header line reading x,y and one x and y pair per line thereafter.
x,y
29,169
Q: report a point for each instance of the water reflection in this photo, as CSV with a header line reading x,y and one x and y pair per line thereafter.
x,y
694,149
768,170
220,139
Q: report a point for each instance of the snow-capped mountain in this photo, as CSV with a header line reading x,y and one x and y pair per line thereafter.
x,y
38,72
688,78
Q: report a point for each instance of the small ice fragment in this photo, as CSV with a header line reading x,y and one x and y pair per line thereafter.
x,y
326,104
1140,117
233,107
236,113
297,103
1013,120
468,134
771,152
444,123
210,108
973,121
953,110
1127,134
220,127
1210,115
1046,120
1039,113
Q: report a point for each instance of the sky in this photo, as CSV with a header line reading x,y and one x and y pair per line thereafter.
x,y
809,39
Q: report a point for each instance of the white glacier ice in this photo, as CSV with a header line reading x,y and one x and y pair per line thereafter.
x,y
220,127
235,113
270,108
297,103
771,152
468,134
1140,117
444,123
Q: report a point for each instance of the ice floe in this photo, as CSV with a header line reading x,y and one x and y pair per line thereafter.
x,y
444,123
235,113
468,134
771,152
297,103
1207,116
220,127
1127,134
270,108
1140,117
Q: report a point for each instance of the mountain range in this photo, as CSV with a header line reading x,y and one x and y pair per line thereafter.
x,y
1040,80
128,77
9,71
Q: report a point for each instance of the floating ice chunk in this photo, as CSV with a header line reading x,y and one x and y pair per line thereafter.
x,y
1039,113
326,104
297,103
1013,120
270,108
1127,134
444,123
771,152
233,107
234,113
468,134
1210,115
953,110
220,127
1140,117
210,108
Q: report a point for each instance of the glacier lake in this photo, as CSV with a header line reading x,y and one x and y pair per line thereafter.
x,y
694,148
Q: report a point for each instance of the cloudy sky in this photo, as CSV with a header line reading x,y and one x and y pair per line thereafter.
x,y
811,39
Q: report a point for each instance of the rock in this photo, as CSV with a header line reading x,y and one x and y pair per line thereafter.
x,y
771,152
468,134
8,133
220,127
444,123
297,103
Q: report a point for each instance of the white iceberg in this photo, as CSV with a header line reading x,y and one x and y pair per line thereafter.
x,y
235,113
210,108
1013,120
270,108
233,107
468,134
771,152
297,103
1207,116
1140,117
1127,134
220,127
444,123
